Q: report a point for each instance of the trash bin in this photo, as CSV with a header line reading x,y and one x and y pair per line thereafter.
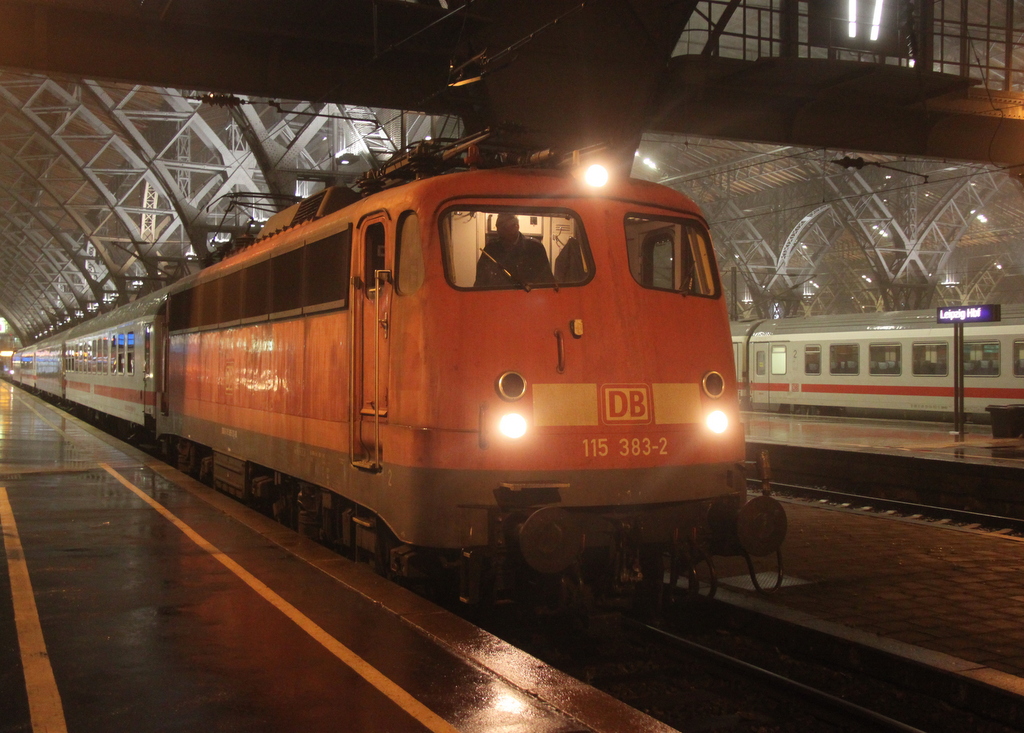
x,y
1007,420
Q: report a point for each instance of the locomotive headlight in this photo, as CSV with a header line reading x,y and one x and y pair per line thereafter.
x,y
512,425
717,421
596,176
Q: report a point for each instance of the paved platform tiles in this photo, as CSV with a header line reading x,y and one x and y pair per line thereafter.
x,y
147,602
958,594
889,437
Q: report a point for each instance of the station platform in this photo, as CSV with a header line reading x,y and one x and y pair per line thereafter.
x,y
906,438
907,461
913,598
144,601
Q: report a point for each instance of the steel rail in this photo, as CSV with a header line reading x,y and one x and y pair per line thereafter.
x,y
928,510
799,689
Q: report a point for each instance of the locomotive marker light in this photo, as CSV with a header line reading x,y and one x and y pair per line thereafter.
x,y
713,385
958,316
511,386
717,421
512,425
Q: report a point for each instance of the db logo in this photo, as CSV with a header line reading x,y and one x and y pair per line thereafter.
x,y
626,403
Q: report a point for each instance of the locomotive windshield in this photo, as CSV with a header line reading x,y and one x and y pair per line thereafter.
x,y
514,248
670,254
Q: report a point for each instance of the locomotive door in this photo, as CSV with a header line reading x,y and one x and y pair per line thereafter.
x,y
371,317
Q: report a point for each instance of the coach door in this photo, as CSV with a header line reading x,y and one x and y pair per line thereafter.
x,y
371,318
760,386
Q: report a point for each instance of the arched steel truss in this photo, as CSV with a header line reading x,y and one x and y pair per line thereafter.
x,y
111,191
821,231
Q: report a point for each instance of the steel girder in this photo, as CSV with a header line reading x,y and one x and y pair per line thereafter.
x,y
110,191
808,236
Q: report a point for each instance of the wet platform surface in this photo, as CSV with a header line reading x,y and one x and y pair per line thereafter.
x,y
162,606
944,596
931,441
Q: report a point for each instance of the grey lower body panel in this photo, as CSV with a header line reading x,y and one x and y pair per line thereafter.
x,y
454,508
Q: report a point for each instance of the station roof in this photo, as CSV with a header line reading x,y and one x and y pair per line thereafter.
x,y
116,178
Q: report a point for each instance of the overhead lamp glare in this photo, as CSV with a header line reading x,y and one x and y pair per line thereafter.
x,y
596,175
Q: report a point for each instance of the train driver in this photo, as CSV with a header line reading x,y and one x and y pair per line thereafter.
x,y
509,258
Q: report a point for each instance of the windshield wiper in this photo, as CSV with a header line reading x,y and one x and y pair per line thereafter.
x,y
513,278
686,286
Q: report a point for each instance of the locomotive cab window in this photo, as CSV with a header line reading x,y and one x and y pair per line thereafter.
x,y
812,360
885,359
672,255
507,249
844,358
981,359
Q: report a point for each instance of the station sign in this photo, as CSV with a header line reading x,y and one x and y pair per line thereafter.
x,y
969,314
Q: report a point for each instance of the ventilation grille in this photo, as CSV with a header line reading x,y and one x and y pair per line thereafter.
x,y
308,208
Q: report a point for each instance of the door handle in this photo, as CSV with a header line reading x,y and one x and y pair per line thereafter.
x,y
560,366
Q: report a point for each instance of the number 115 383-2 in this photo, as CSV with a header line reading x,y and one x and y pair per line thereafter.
x,y
601,447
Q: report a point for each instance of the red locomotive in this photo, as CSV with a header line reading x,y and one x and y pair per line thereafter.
x,y
507,373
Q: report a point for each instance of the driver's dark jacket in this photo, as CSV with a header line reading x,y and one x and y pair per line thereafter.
x,y
525,259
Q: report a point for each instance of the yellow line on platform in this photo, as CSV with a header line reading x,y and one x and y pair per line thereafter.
x,y
360,666
41,688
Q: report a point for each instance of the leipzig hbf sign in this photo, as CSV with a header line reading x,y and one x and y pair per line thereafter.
x,y
968,314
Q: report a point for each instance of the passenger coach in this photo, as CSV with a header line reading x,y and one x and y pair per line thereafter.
x,y
886,364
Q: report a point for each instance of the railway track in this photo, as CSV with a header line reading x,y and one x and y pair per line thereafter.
x,y
832,709
695,676
911,511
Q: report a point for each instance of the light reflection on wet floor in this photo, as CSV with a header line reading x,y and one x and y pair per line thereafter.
x,y
896,437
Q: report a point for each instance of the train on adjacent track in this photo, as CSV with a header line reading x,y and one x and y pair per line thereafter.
x,y
897,364
385,375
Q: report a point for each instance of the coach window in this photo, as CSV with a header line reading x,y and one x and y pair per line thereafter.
x,y
327,264
844,358
981,359
130,353
120,353
778,359
1018,358
147,348
931,360
885,359
410,254
286,276
671,255
812,360
230,297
